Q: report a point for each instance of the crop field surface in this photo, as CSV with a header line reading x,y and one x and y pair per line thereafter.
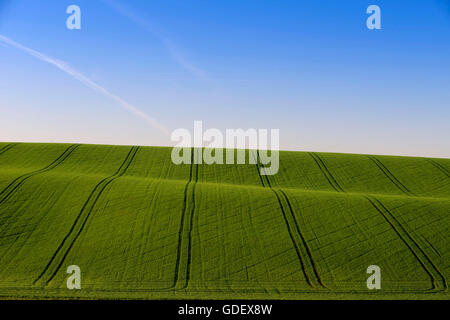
x,y
140,227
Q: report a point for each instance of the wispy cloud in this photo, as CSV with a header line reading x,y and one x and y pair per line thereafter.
x,y
171,47
63,66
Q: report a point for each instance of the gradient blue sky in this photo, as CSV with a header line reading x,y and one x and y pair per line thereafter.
x,y
310,68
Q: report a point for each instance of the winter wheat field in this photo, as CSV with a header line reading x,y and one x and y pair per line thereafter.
x,y
140,227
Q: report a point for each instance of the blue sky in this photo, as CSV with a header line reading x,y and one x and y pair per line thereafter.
x,y
309,68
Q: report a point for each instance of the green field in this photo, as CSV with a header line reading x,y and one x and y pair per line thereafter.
x,y
139,226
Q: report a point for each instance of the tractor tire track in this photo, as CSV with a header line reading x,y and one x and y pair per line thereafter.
x,y
184,252
301,251
308,250
390,176
191,227
8,191
439,167
331,180
7,147
58,258
420,255
180,231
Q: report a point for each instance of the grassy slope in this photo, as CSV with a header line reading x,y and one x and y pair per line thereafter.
x,y
140,227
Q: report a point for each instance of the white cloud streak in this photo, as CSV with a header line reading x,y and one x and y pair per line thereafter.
x,y
63,66
174,52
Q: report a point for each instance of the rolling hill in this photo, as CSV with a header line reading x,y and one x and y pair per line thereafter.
x,y
139,226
